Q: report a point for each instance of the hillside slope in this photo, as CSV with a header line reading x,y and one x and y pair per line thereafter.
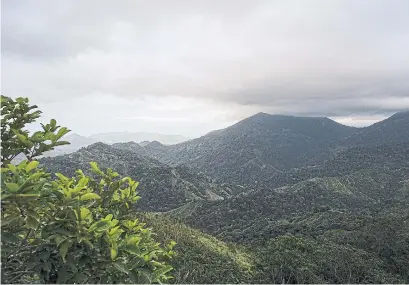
x,y
252,149
201,258
393,130
357,180
161,187
328,257
263,146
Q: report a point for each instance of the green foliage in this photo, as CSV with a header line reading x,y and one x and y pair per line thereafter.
x,y
355,225
202,258
345,220
15,115
69,230
162,187
296,260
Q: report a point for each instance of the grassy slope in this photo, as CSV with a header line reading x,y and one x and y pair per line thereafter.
x,y
201,258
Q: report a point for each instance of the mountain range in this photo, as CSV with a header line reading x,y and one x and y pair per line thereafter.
x,y
77,141
324,202
263,145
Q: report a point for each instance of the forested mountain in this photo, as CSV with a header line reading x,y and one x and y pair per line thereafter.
x,y
162,187
263,213
361,212
115,137
280,199
252,149
333,257
392,130
266,145
77,141
347,161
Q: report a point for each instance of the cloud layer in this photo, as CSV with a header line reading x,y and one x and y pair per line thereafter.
x,y
207,63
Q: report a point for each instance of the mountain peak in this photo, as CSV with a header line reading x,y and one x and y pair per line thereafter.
x,y
400,115
154,144
266,115
261,114
98,145
283,121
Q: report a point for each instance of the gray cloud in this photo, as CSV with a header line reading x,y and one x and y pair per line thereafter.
x,y
320,58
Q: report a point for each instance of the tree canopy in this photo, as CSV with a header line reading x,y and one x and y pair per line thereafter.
x,y
58,229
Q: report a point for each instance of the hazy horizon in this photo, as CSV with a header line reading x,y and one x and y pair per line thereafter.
x,y
364,121
187,69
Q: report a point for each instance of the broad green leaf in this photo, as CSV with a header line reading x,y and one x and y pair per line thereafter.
x,y
134,239
8,237
95,168
135,185
60,143
100,226
89,196
88,243
136,198
22,138
13,187
12,168
33,214
59,240
84,213
132,248
172,244
125,193
29,144
62,131
83,182
32,223
157,274
31,165
115,233
35,175
64,249
121,267
62,177
22,164
8,220
37,137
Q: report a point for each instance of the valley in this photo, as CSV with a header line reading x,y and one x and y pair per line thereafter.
x,y
236,199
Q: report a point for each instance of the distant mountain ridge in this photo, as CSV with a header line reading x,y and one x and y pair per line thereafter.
x,y
258,146
116,137
77,141
264,145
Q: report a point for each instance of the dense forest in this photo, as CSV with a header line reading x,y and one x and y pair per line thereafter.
x,y
271,199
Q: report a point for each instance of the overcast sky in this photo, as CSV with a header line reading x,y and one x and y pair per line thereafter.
x,y
187,67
